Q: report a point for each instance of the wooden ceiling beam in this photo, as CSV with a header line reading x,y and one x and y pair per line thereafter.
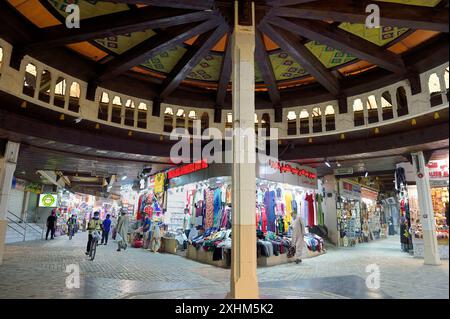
x,y
342,40
392,14
283,3
190,59
288,42
115,24
265,66
153,46
224,79
180,4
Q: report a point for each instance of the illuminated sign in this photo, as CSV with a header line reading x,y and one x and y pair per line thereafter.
x,y
288,168
187,169
48,200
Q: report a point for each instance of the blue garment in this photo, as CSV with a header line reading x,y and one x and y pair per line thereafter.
x,y
217,206
269,202
107,225
294,206
147,224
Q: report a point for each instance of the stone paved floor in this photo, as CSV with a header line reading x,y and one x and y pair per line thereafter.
x,y
37,270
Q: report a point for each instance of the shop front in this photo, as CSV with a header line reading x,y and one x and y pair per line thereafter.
x,y
438,171
198,209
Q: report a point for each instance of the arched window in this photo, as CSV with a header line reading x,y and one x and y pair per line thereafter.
x,y
60,92
29,81
317,120
372,109
434,86
402,102
304,122
142,115
292,123
256,123
129,113
265,123
168,120
45,86
181,119
358,112
74,97
330,118
446,82
386,106
103,107
192,116
116,115
205,121
229,121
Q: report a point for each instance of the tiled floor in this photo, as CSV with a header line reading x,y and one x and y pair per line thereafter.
x,y
37,270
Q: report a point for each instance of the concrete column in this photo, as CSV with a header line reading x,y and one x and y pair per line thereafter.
x,y
244,281
431,252
7,168
25,203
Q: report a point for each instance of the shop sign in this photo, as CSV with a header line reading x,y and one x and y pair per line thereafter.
x,y
48,200
350,190
343,171
369,194
187,169
288,168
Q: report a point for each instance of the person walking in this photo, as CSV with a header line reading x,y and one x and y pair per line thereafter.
x,y
146,231
122,230
106,229
71,226
155,243
95,224
298,232
51,224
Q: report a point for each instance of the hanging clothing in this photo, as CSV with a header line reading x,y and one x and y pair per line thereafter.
x,y
320,216
217,206
288,201
287,220
263,220
270,209
228,197
209,214
310,200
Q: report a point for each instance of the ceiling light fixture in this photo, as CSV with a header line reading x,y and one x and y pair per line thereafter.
x,y
327,163
124,177
366,175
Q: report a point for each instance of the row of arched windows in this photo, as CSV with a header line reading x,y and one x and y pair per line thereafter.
x,y
118,111
435,88
44,88
180,120
321,121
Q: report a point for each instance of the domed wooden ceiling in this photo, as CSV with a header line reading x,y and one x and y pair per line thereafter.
x,y
185,43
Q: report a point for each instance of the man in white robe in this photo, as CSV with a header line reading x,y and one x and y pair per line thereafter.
x,y
298,232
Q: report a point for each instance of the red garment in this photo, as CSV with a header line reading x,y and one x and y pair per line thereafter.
x,y
258,217
264,220
310,199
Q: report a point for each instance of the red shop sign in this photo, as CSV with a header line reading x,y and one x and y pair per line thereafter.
x,y
187,169
287,168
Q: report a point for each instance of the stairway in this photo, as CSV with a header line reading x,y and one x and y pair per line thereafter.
x,y
18,230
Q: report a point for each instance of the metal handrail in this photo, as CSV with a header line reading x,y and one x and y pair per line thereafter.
x,y
18,223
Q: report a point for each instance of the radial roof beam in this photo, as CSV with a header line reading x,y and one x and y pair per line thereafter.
x,y
153,46
225,75
190,59
181,4
283,3
302,55
342,40
116,23
392,14
265,65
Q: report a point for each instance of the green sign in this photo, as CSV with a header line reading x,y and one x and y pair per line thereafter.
x,y
48,200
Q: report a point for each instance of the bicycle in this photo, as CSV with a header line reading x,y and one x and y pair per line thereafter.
x,y
95,239
71,232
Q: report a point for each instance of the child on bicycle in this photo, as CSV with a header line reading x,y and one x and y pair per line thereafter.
x,y
95,224
71,225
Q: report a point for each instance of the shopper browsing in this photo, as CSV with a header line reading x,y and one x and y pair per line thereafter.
x,y
106,229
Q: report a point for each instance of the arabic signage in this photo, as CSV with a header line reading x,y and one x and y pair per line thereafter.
x,y
438,171
187,169
349,189
48,200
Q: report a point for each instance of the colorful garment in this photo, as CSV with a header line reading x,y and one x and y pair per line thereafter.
x,y
217,206
288,201
263,220
310,200
320,216
209,213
